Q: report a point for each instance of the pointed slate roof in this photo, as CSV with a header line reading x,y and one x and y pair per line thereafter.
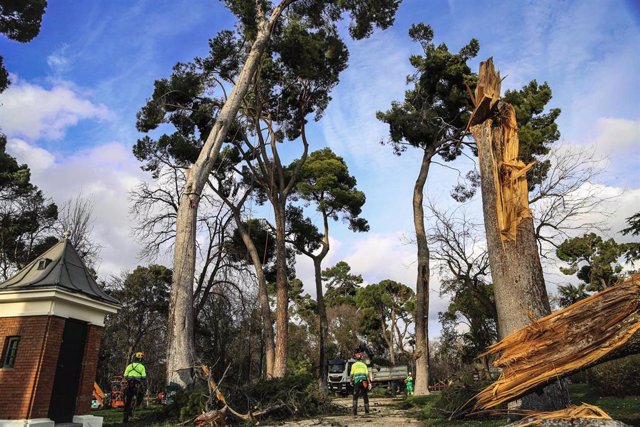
x,y
59,267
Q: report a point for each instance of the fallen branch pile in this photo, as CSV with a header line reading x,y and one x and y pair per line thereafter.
x,y
603,327
570,413
292,396
217,417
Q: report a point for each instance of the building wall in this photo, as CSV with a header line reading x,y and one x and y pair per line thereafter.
x,y
89,368
26,388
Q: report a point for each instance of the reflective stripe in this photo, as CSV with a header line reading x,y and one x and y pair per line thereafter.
x,y
359,372
135,370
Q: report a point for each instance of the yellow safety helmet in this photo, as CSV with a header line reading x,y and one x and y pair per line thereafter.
x,y
139,355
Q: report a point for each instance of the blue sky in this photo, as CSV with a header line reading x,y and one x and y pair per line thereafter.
x,y
70,113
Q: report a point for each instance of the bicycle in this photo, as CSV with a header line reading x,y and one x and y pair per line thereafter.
x,y
130,398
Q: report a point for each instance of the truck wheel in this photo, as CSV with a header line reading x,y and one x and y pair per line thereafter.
x,y
393,389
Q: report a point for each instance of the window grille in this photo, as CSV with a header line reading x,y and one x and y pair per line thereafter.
x,y
10,351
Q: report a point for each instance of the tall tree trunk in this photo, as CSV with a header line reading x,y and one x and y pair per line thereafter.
x,y
263,297
180,339
324,324
392,349
181,348
516,271
282,292
422,282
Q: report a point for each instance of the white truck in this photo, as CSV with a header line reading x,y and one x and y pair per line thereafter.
x,y
388,377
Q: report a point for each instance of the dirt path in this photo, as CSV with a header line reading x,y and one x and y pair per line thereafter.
x,y
385,412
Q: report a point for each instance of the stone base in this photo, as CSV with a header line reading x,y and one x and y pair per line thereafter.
x,y
39,422
88,420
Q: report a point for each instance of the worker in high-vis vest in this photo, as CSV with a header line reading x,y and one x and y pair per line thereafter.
x,y
135,373
409,382
361,381
136,369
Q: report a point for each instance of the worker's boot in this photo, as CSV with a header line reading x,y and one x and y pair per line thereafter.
x,y
355,408
366,408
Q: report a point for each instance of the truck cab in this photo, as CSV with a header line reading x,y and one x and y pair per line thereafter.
x,y
338,378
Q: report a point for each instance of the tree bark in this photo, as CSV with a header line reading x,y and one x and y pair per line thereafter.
x,y
518,280
278,190
422,282
392,350
282,290
181,348
324,324
515,265
263,297
323,370
180,339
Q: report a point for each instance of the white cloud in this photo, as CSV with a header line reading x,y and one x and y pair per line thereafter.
x,y
105,174
369,85
34,112
305,270
59,60
383,256
613,148
377,257
617,142
38,159
389,256
618,136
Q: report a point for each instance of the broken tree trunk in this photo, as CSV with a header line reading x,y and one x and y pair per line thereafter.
x,y
516,271
603,327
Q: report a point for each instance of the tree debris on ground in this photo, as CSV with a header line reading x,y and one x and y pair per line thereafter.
x,y
277,398
605,326
570,413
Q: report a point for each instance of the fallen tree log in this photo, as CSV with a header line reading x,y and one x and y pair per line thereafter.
x,y
600,328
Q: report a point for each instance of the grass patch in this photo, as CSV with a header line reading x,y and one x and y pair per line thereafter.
x,y
153,416
422,408
625,409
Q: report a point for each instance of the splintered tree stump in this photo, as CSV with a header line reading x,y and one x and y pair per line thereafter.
x,y
516,271
600,328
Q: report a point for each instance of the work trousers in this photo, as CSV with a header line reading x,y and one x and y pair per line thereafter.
x,y
360,390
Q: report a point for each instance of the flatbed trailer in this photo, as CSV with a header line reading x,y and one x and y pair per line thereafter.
x,y
387,377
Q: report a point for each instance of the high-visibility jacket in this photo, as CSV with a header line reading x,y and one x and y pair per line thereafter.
x,y
359,372
135,370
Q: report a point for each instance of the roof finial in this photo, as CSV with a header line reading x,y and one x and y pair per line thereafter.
x,y
66,234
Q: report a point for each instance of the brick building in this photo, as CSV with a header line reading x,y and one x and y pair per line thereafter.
x,y
51,320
